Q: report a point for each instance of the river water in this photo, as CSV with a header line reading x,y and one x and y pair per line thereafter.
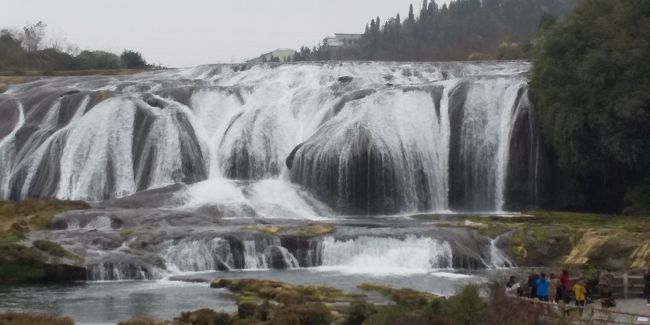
x,y
113,301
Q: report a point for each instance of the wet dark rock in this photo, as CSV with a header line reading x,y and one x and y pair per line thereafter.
x,y
64,273
307,250
154,101
346,79
70,92
528,165
275,258
289,160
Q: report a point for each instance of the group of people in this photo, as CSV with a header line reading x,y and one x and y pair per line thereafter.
x,y
558,288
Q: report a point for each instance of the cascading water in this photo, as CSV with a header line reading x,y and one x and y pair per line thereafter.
x,y
225,146
497,258
376,255
386,255
391,138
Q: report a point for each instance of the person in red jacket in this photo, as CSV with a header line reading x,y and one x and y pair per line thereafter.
x,y
565,280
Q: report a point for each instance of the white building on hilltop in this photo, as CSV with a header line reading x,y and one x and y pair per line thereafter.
x,y
279,55
340,40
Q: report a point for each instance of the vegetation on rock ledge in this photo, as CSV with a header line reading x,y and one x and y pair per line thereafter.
x,y
42,260
550,238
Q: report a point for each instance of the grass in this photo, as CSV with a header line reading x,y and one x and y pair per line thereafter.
x,y
33,214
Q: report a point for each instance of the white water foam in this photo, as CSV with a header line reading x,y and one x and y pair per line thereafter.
x,y
272,199
386,256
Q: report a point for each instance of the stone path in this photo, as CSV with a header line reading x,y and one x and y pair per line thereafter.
x,y
633,306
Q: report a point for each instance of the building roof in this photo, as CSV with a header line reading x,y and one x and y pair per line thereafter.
x,y
348,35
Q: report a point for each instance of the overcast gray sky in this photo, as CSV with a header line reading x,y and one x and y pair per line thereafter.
x,y
185,33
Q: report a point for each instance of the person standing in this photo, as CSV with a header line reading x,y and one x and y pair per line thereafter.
x,y
646,289
580,292
554,284
542,287
592,286
513,287
532,284
565,293
606,289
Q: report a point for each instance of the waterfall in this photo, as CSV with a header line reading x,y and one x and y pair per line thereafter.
x,y
497,258
364,254
386,255
194,255
8,149
295,141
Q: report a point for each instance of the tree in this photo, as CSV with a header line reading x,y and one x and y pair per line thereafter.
x,y
11,53
97,60
455,30
33,36
133,60
592,93
411,18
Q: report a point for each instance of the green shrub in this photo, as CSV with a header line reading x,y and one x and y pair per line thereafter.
x,y
466,307
638,200
359,311
246,310
204,317
306,314
396,314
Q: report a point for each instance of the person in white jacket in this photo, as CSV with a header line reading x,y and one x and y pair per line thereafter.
x,y
513,288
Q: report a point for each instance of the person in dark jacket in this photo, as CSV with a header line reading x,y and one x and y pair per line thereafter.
x,y
606,289
565,293
592,286
646,289
532,284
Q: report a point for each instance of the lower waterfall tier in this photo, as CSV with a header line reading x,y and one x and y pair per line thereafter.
x,y
118,242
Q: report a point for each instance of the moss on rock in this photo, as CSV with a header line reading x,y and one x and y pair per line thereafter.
x,y
408,298
33,214
282,292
